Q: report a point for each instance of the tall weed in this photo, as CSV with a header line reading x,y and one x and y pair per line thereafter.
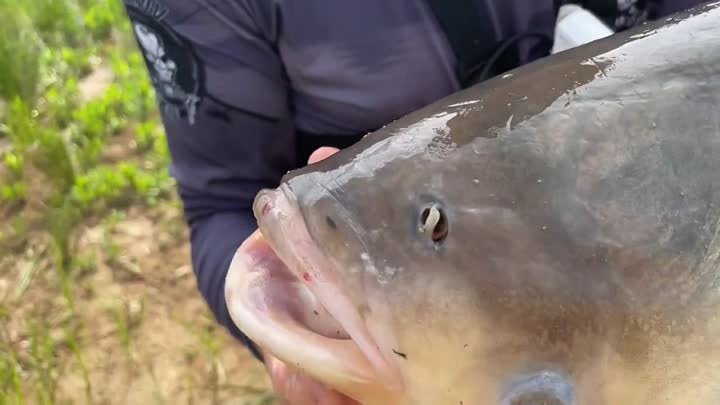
x,y
21,50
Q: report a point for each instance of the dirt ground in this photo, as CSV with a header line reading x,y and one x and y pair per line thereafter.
x,y
130,327
145,335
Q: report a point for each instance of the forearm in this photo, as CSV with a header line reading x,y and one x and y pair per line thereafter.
x,y
214,239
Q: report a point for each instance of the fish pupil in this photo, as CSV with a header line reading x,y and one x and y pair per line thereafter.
x,y
540,398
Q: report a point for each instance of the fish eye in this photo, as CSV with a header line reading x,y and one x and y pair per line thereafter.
x,y
433,222
546,388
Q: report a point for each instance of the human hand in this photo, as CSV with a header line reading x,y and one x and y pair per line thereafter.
x,y
291,386
294,388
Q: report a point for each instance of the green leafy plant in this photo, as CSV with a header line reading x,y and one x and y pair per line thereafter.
x,y
68,161
102,16
21,50
42,356
11,390
58,22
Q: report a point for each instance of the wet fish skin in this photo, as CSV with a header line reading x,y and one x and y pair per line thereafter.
x,y
577,246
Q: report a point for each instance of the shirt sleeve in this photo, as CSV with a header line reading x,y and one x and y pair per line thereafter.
x,y
224,104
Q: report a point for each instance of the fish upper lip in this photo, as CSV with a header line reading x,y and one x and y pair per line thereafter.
x,y
283,226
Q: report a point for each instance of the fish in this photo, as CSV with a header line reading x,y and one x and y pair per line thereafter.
x,y
548,236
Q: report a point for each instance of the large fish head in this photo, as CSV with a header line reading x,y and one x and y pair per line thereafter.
x,y
547,260
413,279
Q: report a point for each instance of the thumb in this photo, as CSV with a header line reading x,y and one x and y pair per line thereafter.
x,y
321,154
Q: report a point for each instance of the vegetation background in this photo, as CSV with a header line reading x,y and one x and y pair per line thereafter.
x,y
98,303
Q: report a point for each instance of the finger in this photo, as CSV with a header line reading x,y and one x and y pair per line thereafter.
x,y
322,153
294,388
301,389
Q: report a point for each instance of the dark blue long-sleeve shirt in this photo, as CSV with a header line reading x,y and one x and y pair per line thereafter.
x,y
248,88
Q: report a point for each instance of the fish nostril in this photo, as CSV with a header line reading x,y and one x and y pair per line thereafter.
x,y
263,204
331,223
544,388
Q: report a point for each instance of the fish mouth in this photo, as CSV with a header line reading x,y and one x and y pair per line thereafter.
x,y
284,241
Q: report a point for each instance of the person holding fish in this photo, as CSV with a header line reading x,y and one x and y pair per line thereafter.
x,y
250,89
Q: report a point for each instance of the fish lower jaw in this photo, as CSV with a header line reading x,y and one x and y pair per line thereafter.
x,y
274,310
282,224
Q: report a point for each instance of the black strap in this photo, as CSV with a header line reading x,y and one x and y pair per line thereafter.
x,y
469,32
606,10
308,142
491,63
472,38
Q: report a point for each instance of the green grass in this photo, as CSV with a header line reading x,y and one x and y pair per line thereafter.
x,y
56,177
58,135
